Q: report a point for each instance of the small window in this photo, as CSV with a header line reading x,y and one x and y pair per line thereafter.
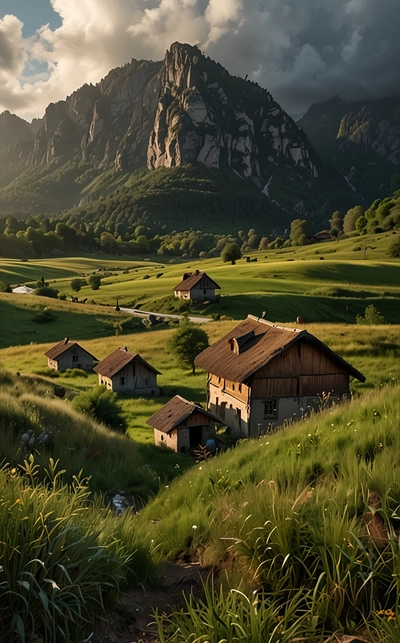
x,y
270,408
74,358
204,292
240,388
122,381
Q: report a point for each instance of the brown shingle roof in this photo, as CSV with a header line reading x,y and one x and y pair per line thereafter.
x,y
114,362
191,280
176,411
64,346
235,360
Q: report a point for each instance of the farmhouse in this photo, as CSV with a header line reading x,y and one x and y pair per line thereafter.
x,y
261,374
126,372
196,285
68,354
182,425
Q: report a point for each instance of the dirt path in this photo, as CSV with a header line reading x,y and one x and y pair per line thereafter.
x,y
143,313
131,621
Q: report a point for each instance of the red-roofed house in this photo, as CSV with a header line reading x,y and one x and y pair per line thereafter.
x,y
182,425
261,374
125,372
196,285
68,354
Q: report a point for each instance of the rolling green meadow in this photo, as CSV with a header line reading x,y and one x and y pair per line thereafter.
x,y
280,521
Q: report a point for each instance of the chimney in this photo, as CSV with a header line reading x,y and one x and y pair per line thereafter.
x,y
66,340
125,349
186,275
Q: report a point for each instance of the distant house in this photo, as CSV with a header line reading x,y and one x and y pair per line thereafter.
x,y
196,285
68,354
182,425
261,374
126,372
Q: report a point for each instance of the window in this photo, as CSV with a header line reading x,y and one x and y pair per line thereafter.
x,y
240,388
74,358
122,381
270,408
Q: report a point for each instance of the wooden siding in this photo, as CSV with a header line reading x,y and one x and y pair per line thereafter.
x,y
300,359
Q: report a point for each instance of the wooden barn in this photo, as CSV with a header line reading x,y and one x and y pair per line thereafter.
x,y
196,285
261,374
125,372
182,425
69,354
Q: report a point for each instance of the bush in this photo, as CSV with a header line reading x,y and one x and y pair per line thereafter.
x,y
102,405
45,291
372,317
394,249
5,287
76,284
44,316
94,282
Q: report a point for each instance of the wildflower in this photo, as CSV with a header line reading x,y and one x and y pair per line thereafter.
x,y
194,526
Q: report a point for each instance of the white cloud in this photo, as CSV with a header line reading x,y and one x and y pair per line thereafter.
x,y
301,52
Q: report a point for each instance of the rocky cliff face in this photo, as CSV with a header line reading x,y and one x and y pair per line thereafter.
x,y
362,139
205,115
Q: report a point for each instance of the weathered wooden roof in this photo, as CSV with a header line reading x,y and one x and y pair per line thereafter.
x,y
117,360
237,360
64,346
176,411
189,281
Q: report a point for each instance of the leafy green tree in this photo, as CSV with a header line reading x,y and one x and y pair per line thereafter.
x,y
102,405
336,223
372,317
94,281
231,252
76,284
350,219
187,342
298,232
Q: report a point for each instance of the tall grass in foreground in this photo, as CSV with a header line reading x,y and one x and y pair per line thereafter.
x,y
62,558
291,512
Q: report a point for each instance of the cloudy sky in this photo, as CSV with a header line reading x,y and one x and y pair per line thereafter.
x,y
302,51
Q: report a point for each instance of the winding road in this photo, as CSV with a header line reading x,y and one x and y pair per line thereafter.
x,y
145,313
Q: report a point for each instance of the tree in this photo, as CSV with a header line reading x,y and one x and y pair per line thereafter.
x,y
76,284
231,252
94,282
372,317
336,223
349,221
298,232
187,342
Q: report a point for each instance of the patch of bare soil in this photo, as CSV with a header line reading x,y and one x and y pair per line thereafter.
x,y
131,620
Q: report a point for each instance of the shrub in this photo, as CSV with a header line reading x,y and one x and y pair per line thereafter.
x,y
394,249
5,287
44,316
94,282
46,291
76,284
372,317
102,405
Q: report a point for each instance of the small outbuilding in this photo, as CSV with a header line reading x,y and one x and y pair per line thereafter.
x,y
126,372
196,285
182,425
69,354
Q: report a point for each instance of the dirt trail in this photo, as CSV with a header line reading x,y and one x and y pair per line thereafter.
x,y
131,621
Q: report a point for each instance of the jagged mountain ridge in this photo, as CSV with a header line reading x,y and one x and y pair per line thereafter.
x,y
361,139
186,109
